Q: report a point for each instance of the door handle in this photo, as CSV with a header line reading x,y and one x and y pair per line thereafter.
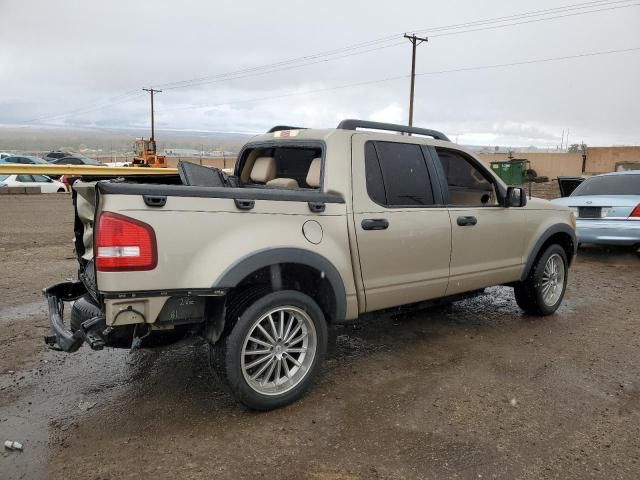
x,y
155,200
467,221
375,224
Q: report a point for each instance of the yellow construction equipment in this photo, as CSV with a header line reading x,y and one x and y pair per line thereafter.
x,y
145,155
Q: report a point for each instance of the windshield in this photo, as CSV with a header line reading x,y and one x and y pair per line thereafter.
x,y
3,177
628,184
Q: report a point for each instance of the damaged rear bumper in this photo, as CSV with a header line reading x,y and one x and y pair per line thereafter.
x,y
62,337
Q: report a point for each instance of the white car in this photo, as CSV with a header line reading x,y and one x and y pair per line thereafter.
x,y
46,184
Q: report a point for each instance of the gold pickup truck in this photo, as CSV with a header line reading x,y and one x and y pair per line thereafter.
x,y
314,227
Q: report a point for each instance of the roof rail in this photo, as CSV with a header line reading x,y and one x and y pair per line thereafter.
x,y
278,128
352,124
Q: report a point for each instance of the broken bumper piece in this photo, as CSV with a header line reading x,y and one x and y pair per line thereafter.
x,y
62,337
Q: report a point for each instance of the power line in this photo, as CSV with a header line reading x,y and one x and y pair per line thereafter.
x,y
288,63
281,69
107,103
536,20
357,49
401,77
518,16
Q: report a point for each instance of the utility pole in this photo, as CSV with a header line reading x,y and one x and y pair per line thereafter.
x,y
152,91
415,41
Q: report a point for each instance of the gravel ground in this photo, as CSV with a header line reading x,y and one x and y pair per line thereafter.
x,y
473,390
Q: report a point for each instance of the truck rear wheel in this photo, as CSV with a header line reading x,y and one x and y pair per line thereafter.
x,y
274,351
543,290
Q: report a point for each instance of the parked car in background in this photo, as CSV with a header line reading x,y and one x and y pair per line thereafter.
x,y
24,159
56,154
46,184
75,160
608,209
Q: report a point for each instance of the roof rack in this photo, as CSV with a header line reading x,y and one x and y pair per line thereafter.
x,y
278,128
352,124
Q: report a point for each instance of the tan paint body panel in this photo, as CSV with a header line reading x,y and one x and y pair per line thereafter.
x,y
199,238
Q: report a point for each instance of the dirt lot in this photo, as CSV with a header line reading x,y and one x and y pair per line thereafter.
x,y
474,390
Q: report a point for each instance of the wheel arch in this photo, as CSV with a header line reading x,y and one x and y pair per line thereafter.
x,y
561,234
287,266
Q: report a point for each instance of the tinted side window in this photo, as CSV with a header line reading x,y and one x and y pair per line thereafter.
x,y
467,183
404,174
375,184
461,173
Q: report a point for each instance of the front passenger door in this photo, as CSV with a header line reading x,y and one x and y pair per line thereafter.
x,y
487,243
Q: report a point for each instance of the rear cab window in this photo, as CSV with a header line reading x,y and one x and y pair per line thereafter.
x,y
287,166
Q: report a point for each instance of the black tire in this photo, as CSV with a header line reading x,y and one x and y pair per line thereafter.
x,y
62,190
226,355
529,293
82,310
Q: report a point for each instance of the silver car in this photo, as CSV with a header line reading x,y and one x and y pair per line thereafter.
x,y
607,208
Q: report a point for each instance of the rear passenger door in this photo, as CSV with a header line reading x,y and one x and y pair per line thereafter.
x,y
403,231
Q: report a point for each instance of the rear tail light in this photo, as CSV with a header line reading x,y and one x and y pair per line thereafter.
x,y
124,244
636,212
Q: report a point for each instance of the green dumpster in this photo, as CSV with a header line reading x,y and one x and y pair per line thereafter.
x,y
511,171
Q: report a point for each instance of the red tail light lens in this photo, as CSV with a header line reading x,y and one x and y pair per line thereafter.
x,y
124,244
636,212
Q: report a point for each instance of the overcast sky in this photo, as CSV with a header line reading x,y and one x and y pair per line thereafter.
x,y
63,56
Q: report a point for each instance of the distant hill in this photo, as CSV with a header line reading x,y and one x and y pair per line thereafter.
x,y
103,140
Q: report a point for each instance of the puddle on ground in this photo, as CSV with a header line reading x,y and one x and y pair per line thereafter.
x,y
23,312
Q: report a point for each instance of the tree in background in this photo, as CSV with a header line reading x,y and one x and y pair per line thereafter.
x,y
577,148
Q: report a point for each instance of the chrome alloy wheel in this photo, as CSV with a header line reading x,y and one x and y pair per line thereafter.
x,y
553,279
279,350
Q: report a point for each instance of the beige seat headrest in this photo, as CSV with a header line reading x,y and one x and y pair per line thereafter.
x,y
264,170
313,175
283,183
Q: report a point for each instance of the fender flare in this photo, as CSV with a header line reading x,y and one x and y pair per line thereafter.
x,y
245,266
546,235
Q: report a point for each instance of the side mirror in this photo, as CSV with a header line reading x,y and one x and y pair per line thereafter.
x,y
516,197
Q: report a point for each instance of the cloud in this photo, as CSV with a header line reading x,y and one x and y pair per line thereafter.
x,y
393,113
102,52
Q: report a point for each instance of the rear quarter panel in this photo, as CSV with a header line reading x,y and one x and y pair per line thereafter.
x,y
199,238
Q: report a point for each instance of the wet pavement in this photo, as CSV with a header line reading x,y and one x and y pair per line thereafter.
x,y
471,390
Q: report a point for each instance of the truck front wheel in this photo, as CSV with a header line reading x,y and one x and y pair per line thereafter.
x,y
274,351
541,293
